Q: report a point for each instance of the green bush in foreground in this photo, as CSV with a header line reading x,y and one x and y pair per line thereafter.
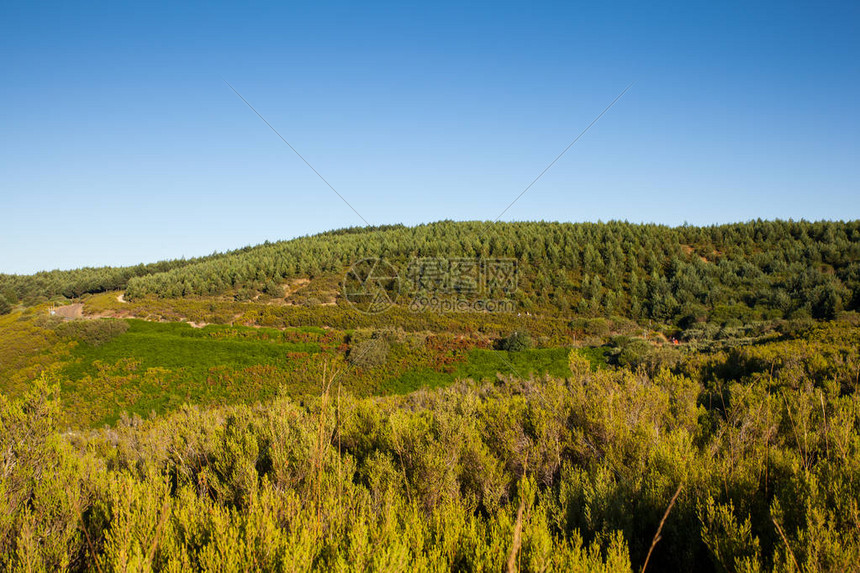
x,y
534,475
515,342
5,305
92,332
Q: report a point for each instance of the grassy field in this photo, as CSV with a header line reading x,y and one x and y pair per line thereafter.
x,y
156,367
110,366
178,345
483,365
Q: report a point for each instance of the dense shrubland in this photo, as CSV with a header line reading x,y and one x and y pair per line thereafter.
x,y
553,328
548,473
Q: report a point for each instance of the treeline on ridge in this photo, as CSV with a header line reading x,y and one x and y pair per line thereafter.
x,y
77,282
756,270
743,272
91,280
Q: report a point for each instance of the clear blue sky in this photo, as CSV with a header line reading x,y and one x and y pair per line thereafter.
x,y
120,143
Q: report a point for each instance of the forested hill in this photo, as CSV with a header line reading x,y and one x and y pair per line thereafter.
x,y
745,271
91,280
88,280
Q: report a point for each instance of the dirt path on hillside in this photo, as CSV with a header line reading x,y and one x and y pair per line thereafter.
x,y
69,311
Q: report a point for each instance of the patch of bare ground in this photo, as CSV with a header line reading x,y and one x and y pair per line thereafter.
x,y
294,295
689,250
295,285
69,311
110,314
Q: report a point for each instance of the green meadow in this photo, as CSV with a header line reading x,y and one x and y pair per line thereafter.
x,y
156,367
178,345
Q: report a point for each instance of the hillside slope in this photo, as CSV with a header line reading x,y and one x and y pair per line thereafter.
x,y
682,275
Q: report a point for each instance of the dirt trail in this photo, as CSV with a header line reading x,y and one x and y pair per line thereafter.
x,y
69,311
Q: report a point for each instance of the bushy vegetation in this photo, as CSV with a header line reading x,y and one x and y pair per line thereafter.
x,y
517,341
369,353
5,305
551,329
92,332
759,447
